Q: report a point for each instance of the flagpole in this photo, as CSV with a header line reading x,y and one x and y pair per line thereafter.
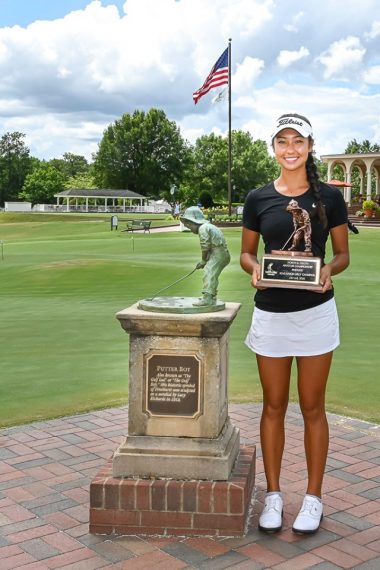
x,y
229,131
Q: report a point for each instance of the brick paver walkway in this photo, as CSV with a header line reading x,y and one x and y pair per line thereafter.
x,y
46,468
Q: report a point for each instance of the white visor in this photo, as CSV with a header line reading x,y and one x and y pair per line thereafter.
x,y
288,122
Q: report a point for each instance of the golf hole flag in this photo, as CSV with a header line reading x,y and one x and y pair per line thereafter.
x,y
217,76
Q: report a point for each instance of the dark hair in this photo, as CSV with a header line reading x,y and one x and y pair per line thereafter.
x,y
312,177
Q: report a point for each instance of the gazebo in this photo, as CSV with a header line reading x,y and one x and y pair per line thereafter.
x,y
106,197
366,163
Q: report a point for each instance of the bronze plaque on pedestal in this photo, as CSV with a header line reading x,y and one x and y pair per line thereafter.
x,y
173,385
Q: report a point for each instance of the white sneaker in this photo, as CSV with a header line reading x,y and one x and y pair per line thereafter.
x,y
310,516
271,517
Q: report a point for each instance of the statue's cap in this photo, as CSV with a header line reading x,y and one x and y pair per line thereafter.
x,y
193,214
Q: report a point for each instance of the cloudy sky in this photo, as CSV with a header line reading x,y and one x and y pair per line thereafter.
x,y
69,68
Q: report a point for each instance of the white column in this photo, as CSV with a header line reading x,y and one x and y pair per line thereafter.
x,y
124,205
369,180
348,187
86,204
67,204
361,176
329,170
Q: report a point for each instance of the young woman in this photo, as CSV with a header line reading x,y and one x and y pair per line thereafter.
x,y
294,323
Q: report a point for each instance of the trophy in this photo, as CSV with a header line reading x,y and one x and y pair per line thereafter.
x,y
292,268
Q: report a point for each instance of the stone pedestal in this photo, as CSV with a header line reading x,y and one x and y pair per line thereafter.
x,y
178,412
181,469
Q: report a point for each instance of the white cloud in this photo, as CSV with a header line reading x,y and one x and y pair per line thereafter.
x,y
243,17
76,134
372,75
63,81
246,75
286,57
294,26
327,109
375,30
342,58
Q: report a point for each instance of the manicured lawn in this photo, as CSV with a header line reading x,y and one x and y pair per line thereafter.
x,y
62,351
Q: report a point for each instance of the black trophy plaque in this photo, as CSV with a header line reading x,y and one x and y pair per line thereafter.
x,y
290,269
172,385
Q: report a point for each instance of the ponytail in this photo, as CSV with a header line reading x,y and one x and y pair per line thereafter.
x,y
313,179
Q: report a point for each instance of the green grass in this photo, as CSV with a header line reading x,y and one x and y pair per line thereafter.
x,y
62,351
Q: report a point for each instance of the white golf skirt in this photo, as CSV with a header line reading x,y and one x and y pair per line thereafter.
x,y
299,333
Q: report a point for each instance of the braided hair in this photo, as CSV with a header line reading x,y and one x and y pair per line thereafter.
x,y
313,178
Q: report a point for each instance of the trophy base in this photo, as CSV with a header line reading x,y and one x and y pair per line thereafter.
x,y
291,270
291,253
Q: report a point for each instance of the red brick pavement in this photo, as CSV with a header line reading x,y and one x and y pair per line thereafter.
x,y
46,469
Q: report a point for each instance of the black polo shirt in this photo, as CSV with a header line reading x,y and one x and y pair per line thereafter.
x,y
265,213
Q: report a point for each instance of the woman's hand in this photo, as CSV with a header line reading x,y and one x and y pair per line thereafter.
x,y
256,276
325,278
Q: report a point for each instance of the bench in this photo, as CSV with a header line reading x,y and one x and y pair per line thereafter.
x,y
138,225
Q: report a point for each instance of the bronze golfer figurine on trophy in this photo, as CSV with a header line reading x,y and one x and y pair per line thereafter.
x,y
291,267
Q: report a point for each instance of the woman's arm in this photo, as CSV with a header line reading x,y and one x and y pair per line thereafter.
x,y
341,255
248,256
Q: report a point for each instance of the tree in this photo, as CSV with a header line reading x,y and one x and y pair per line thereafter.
x,y
41,184
208,169
252,166
81,181
143,152
205,199
322,168
365,146
14,165
71,164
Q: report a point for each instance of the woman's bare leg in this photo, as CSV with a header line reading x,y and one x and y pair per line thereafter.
x,y
275,379
313,372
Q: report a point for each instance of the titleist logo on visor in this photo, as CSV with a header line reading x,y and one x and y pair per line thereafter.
x,y
289,121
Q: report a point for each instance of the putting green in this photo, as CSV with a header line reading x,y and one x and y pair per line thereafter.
x,y
63,351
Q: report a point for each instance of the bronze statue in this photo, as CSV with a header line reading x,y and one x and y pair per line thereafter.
x,y
215,255
302,226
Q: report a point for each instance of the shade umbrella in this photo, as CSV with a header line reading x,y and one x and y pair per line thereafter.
x,y
339,183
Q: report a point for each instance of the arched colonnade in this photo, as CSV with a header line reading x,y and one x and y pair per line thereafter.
x,y
366,163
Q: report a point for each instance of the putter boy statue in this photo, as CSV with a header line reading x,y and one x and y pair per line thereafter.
x,y
215,255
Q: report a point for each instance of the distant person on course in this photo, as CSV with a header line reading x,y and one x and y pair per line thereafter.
x,y
290,323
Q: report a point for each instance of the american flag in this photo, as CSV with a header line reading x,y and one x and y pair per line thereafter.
x,y
217,76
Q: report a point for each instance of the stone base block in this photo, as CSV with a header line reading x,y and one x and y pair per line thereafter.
x,y
133,506
178,457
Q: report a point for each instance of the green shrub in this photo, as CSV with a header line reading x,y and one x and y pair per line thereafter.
x,y
369,205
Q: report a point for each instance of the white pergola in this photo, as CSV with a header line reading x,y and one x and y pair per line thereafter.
x,y
366,163
108,197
